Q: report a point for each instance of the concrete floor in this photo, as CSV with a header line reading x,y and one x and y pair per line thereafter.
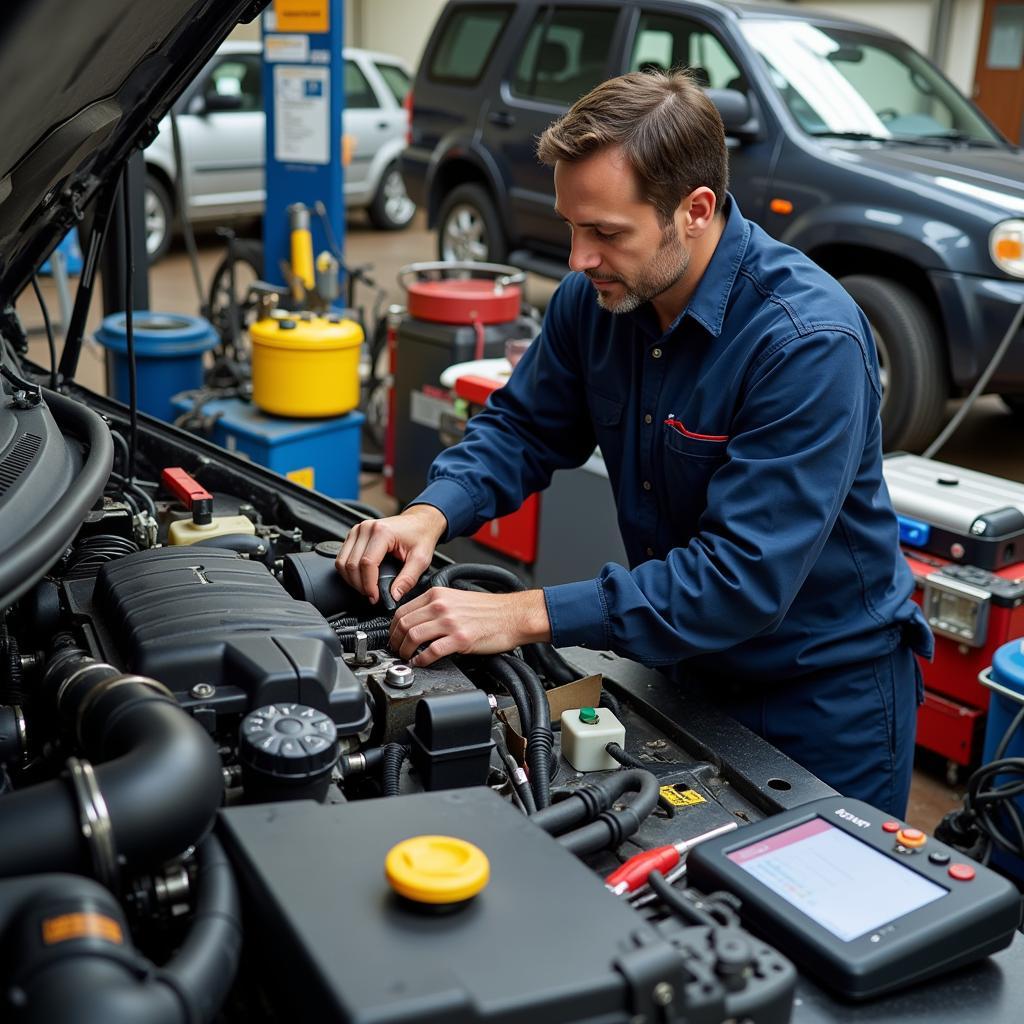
x,y
990,439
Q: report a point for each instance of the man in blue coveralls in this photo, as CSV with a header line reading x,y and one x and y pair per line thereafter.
x,y
733,388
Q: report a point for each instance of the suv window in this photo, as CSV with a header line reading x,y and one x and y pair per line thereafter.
x,y
396,80
238,76
464,49
566,54
358,94
664,41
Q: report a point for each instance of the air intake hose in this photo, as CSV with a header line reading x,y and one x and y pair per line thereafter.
x,y
153,792
71,958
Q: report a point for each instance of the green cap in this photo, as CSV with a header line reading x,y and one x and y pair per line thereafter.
x,y
589,716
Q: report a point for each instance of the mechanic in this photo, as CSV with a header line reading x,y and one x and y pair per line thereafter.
x,y
733,388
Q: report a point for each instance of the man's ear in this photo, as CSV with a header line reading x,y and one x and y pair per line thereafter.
x,y
699,207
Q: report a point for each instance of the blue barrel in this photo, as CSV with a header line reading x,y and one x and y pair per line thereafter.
x,y
169,351
1006,682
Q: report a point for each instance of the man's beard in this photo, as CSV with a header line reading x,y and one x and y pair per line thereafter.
x,y
668,264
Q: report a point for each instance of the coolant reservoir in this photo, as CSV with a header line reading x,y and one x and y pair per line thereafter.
x,y
187,532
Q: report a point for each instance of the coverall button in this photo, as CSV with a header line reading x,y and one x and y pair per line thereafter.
x,y
656,353
647,485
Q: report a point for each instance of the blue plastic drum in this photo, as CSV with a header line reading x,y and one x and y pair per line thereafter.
x,y
169,351
1006,681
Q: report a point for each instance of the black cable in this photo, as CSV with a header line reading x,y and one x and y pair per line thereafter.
x,y
539,739
122,449
627,760
676,902
391,771
129,327
49,332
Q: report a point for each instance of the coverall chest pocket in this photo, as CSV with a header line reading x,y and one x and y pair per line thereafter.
x,y
689,463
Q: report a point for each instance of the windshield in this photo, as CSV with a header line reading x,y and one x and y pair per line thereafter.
x,y
836,81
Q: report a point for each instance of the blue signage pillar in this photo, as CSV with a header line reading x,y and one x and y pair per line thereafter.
x,y
304,96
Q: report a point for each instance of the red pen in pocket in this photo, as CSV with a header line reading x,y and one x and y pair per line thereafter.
x,y
677,425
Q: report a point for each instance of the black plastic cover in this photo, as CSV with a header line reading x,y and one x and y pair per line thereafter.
x,y
450,743
186,616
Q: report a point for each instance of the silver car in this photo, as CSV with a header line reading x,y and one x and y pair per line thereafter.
x,y
221,123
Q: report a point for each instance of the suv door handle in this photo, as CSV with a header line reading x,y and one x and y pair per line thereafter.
x,y
502,118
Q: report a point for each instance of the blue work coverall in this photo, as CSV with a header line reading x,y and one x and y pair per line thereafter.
x,y
743,446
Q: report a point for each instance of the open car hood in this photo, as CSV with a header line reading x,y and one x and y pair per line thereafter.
x,y
83,85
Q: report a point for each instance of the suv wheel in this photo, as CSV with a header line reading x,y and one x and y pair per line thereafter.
x,y
468,227
159,212
914,388
391,208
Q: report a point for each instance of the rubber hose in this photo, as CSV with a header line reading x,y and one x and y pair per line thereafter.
x,y
613,827
627,760
479,573
510,682
157,770
587,802
244,543
540,740
391,772
204,967
23,566
546,660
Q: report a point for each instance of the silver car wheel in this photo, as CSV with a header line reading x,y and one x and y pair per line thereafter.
x,y
398,207
156,222
465,235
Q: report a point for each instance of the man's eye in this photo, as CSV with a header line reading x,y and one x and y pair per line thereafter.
x,y
604,237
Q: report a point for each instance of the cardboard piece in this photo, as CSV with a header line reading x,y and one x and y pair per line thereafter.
x,y
583,693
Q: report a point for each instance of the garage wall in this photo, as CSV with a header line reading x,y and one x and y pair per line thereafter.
x,y
964,37
909,19
401,27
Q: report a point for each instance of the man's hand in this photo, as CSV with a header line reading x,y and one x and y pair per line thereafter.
x,y
412,536
466,622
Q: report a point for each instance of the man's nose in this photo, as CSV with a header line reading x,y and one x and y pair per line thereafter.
x,y
583,256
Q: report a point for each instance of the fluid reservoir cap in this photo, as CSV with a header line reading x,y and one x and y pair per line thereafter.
x,y
589,716
288,741
438,870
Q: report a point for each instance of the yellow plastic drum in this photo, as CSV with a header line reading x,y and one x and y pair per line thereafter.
x,y
305,365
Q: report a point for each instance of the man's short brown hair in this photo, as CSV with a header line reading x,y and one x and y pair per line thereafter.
x,y
669,131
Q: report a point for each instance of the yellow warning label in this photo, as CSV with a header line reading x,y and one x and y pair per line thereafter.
x,y
81,926
302,15
681,797
302,476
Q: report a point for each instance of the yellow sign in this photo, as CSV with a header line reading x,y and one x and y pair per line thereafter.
x,y
302,15
302,476
681,797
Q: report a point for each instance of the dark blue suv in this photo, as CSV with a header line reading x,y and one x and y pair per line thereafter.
x,y
844,141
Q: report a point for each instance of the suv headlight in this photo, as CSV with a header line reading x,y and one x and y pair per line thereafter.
x,y
1006,247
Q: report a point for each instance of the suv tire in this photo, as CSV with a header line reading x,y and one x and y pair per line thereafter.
x,y
159,218
468,227
913,368
391,209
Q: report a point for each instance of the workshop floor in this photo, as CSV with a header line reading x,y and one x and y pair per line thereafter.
x,y
989,439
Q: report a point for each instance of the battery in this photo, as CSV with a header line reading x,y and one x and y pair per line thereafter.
x,y
320,454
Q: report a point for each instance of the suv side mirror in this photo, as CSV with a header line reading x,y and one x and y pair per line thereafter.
x,y
219,103
735,110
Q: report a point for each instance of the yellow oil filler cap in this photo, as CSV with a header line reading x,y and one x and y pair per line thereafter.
x,y
439,870
305,366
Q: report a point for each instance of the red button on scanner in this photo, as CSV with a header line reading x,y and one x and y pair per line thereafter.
x,y
961,872
890,826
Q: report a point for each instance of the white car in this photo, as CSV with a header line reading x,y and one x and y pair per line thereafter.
x,y
221,123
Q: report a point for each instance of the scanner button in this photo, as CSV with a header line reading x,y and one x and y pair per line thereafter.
x,y
938,857
890,826
961,872
912,838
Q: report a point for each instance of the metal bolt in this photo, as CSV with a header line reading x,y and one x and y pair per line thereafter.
x,y
663,993
656,744
399,676
202,691
362,648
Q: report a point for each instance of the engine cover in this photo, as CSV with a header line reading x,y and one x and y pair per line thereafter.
x,y
193,616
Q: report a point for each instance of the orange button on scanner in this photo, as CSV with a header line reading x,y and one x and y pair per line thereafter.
x,y
912,838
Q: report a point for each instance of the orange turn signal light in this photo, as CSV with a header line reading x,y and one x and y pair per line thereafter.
x,y
1009,249
783,206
